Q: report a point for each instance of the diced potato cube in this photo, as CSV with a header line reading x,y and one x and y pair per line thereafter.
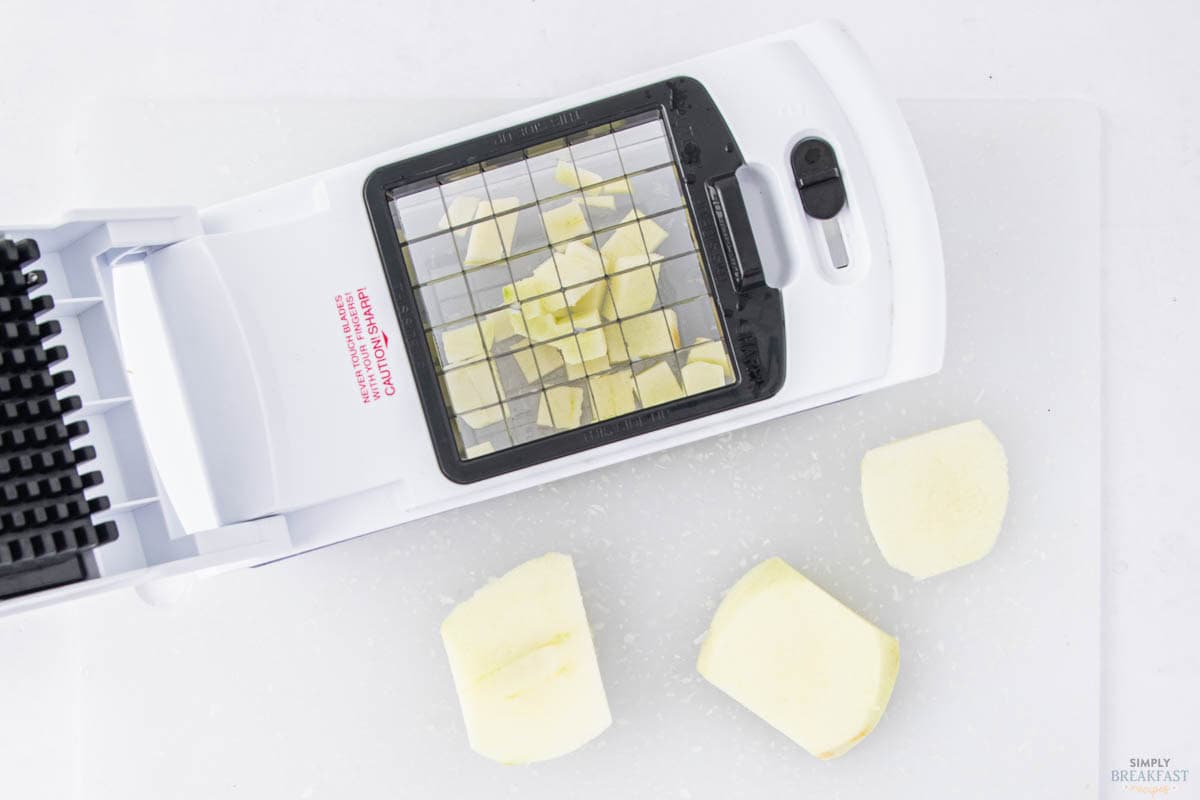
x,y
632,262
587,298
616,344
571,349
525,288
568,347
487,326
592,343
637,239
712,353
464,344
524,665
560,407
516,320
491,239
592,367
658,385
546,316
501,323
471,387
936,501
806,664
461,211
651,334
565,175
544,327
579,262
574,177
555,305
597,365
545,276
583,320
544,280
602,201
566,221
508,222
701,376
607,309
613,393
633,292
620,186
481,449
528,365
483,417
548,357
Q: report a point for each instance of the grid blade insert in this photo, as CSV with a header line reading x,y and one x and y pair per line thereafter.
x,y
561,285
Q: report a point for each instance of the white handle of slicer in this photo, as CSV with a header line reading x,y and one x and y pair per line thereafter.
x,y
162,404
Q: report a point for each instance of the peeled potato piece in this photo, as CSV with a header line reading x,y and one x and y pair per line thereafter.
x,y
544,327
579,262
700,377
548,359
491,239
524,665
592,343
633,292
607,309
616,344
711,352
651,334
613,394
481,449
588,297
528,365
461,211
631,240
483,417
795,656
583,320
560,407
471,387
936,501
501,325
593,367
468,342
566,221
658,385
574,177
601,201
618,186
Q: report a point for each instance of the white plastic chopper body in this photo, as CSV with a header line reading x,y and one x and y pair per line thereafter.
x,y
238,430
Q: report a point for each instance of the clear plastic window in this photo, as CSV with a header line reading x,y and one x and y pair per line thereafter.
x,y
561,286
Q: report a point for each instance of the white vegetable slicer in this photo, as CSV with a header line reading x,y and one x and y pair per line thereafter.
x,y
675,255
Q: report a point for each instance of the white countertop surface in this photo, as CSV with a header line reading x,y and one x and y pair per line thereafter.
x,y
1140,68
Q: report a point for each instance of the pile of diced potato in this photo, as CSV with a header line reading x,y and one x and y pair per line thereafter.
x,y
582,311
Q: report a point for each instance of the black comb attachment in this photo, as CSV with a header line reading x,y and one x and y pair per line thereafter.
x,y
46,525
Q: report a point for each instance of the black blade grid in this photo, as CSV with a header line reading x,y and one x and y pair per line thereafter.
x,y
46,526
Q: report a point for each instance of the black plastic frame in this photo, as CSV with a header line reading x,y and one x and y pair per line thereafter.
x,y
751,312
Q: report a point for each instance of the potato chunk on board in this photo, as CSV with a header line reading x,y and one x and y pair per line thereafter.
x,y
936,501
524,665
806,664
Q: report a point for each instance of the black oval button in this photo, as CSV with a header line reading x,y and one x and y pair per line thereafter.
x,y
818,178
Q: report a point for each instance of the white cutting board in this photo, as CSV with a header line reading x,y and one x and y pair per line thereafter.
x,y
323,676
